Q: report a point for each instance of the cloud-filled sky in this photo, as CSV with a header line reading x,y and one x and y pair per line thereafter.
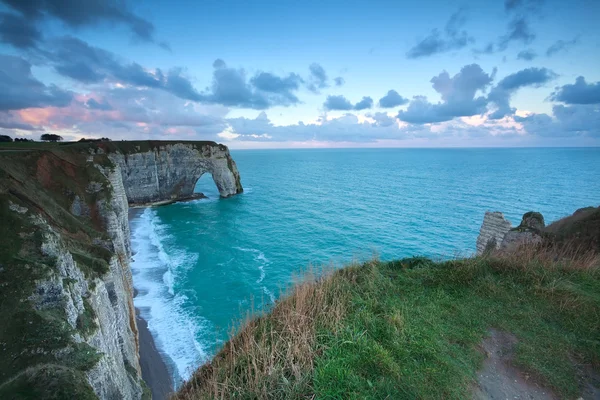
x,y
275,74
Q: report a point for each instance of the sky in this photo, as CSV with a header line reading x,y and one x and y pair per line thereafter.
x,y
309,74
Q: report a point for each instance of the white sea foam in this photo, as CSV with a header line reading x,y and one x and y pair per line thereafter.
x,y
156,269
263,262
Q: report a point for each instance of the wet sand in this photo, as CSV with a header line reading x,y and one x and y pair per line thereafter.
x,y
154,369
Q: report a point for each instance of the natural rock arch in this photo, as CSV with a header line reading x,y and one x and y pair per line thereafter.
x,y
169,171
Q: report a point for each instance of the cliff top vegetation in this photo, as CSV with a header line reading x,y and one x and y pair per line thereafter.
x,y
417,328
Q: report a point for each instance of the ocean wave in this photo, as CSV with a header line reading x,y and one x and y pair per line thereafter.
x,y
156,268
263,261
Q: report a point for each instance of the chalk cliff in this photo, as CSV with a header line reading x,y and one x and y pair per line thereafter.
x,y
497,233
66,295
492,231
167,171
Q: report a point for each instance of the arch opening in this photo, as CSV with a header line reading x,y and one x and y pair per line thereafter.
x,y
207,186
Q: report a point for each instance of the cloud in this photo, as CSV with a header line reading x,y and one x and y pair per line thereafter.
x,y
81,13
453,38
318,78
337,103
98,105
458,97
268,82
382,119
392,99
364,104
526,55
8,121
522,5
230,87
567,121
18,31
82,62
500,95
518,31
341,103
21,90
561,46
339,81
578,93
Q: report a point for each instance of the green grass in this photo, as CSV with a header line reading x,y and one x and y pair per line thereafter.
x,y
411,330
413,333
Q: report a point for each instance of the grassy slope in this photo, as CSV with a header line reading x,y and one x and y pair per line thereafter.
x,y
411,329
38,356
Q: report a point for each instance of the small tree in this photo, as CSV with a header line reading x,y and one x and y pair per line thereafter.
x,y
50,137
5,138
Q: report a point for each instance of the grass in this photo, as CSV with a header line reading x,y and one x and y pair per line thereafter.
x,y
411,329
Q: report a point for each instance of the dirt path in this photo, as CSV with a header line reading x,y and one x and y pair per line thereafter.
x,y
498,379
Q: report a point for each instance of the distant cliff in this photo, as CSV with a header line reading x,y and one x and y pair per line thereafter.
x,y
163,171
578,231
66,299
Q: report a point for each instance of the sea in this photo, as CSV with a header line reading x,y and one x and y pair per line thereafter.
x,y
199,267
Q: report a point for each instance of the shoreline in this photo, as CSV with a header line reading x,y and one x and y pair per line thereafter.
x,y
195,196
155,371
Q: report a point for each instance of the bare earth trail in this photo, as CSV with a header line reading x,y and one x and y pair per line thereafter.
x,y
500,380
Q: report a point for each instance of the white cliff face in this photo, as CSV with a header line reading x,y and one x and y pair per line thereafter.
x,y
117,374
170,171
497,233
66,273
492,231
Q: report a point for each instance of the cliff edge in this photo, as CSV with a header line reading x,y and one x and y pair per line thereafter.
x,y
66,294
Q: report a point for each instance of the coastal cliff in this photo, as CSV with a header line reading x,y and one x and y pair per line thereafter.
x,y
168,171
66,292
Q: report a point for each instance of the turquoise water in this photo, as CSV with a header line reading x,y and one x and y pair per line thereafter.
x,y
200,265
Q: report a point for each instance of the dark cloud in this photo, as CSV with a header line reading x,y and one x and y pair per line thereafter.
x,y
518,31
340,103
568,121
82,62
500,95
21,90
526,77
8,122
78,60
268,82
80,13
526,55
337,103
392,99
453,38
382,119
489,49
98,105
318,78
522,5
578,93
458,97
364,104
230,87
561,46
18,31
339,81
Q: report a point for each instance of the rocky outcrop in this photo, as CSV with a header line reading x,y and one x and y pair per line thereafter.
x,y
492,231
65,282
169,171
497,233
529,232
